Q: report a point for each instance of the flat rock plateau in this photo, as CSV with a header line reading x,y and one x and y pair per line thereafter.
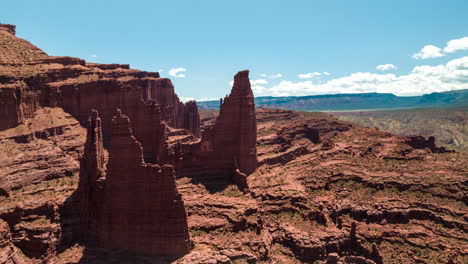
x,y
100,163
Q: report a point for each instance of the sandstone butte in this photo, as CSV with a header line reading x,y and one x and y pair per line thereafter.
x,y
100,163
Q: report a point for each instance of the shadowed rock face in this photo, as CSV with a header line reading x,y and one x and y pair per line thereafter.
x,y
92,176
136,207
8,253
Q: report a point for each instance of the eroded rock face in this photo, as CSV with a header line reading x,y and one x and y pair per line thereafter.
x,y
133,205
8,252
30,79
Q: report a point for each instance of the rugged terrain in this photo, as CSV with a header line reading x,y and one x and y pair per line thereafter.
x,y
317,177
448,125
156,182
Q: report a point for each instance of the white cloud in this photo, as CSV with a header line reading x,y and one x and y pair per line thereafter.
x,y
285,88
278,75
177,72
456,45
421,80
207,99
311,75
386,67
257,89
93,56
160,71
258,81
252,82
428,52
186,99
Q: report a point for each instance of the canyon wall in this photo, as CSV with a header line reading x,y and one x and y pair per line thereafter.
x,y
30,79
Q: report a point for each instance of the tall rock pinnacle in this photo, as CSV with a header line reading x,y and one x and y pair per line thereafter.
x,y
235,130
92,175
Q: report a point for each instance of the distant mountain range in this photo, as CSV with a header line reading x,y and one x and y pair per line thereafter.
x,y
350,102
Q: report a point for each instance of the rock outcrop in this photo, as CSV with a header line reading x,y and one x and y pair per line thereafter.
x,y
235,130
227,149
132,205
8,252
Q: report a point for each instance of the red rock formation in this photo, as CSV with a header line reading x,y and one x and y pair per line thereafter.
x,y
134,205
143,211
92,176
153,135
8,252
227,149
192,118
11,112
235,130
419,142
9,28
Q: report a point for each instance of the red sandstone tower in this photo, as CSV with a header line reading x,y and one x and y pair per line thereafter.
x,y
235,130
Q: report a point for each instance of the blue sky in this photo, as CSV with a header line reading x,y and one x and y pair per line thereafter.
x,y
212,40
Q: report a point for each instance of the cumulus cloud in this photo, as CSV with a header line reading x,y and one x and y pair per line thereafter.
x,y
431,51
177,72
456,45
311,75
207,99
186,99
386,67
278,75
258,81
428,52
252,82
421,80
